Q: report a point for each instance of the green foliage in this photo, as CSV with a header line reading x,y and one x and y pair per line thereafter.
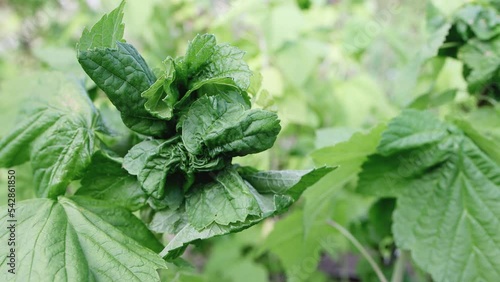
x,y
123,75
105,33
401,97
107,180
230,204
203,95
483,59
162,95
215,127
474,39
186,127
87,238
66,112
446,189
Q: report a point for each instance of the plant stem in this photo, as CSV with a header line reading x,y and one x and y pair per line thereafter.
x,y
399,268
360,247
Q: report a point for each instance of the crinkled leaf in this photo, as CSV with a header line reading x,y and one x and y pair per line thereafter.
x,y
163,94
174,194
223,92
484,60
106,32
151,161
120,71
225,200
206,87
269,204
199,52
207,63
57,136
227,91
137,156
227,61
65,241
214,125
158,163
107,180
447,193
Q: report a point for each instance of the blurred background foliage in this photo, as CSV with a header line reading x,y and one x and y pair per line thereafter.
x,y
330,68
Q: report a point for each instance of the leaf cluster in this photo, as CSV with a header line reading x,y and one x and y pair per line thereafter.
x,y
189,118
474,39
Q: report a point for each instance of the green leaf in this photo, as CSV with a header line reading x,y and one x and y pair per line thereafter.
x,y
123,75
208,64
199,52
157,163
207,61
187,233
167,221
410,130
298,252
214,125
15,147
446,193
438,28
286,182
24,178
57,136
269,204
207,87
122,219
376,227
482,127
225,200
412,146
163,94
107,180
152,161
454,214
431,100
65,241
328,196
484,60
106,32
174,195
483,21
120,71
389,176
350,154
